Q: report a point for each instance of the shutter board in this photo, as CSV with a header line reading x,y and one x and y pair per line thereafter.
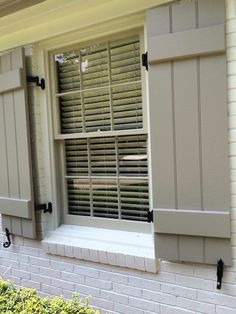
x,y
204,41
15,207
15,152
197,223
188,117
11,80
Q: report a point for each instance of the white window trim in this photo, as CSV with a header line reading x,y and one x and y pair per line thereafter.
x,y
51,242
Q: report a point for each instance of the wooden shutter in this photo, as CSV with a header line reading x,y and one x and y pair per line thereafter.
x,y
16,196
188,128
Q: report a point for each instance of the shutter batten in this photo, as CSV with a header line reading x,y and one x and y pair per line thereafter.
x,y
188,112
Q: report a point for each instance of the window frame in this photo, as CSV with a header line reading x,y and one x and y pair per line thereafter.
x,y
58,140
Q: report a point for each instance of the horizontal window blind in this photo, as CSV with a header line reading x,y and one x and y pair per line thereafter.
x,y
99,89
112,181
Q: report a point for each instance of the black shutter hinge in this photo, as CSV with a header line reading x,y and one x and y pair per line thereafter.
x,y
220,271
145,60
150,216
7,243
47,207
35,79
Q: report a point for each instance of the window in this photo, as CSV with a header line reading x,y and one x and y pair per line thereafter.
x,y
100,131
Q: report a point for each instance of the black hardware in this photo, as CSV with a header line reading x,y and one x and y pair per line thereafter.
x,y
150,216
220,270
47,208
8,242
145,60
35,79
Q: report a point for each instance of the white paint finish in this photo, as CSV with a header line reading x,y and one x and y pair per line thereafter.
x,y
96,244
179,45
10,80
192,222
55,17
179,276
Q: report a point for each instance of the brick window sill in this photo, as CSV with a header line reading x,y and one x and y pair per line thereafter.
x,y
119,248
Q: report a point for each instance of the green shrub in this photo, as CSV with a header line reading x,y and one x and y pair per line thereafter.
x,y
26,301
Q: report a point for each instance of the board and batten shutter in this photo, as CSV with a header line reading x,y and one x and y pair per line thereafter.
x,y
188,131
16,190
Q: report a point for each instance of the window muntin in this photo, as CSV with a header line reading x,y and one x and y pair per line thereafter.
x,y
99,91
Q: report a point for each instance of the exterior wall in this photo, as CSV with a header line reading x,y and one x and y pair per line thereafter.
x,y
177,288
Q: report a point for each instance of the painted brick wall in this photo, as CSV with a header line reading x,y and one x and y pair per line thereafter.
x,y
177,288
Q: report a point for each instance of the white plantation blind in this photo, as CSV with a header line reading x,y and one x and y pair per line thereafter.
x,y
108,177
99,89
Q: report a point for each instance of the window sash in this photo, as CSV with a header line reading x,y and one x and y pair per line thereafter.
x,y
90,135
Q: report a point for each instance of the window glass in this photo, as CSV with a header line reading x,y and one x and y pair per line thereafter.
x,y
99,90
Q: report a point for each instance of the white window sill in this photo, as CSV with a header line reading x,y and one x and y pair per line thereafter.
x,y
120,248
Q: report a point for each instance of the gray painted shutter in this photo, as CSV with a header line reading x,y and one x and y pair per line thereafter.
x,y
188,128
16,190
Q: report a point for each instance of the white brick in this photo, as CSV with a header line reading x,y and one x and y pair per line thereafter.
x,y
98,283
93,255
72,277
166,309
177,268
179,291
102,257
144,283
114,277
13,279
29,251
40,261
51,290
195,282
62,284
111,258
67,294
151,265
144,304
21,274
87,290
139,263
114,297
130,261
205,272
41,279
85,254
69,251
127,290
224,310
29,268
49,272
161,277
30,284
86,271
102,303
77,253
159,297
230,9
123,309
120,260
195,305
217,298
62,266
23,258
60,249
10,263
232,98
